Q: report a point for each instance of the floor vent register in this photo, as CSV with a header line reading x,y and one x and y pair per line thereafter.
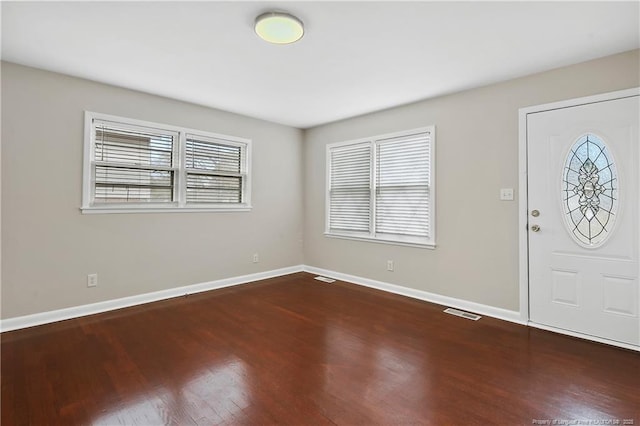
x,y
324,279
462,314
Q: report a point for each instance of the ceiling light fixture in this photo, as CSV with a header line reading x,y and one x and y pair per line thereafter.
x,y
279,27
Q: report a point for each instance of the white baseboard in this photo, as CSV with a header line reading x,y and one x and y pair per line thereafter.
x,y
16,323
109,305
490,311
478,308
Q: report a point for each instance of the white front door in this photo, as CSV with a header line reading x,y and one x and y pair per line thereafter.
x,y
583,202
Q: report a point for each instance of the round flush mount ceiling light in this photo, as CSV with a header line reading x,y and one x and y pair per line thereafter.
x,y
279,27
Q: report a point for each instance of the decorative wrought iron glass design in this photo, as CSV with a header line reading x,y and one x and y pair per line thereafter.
x,y
590,191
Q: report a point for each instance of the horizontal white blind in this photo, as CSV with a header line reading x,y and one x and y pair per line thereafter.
x,y
214,171
350,188
132,164
213,189
402,185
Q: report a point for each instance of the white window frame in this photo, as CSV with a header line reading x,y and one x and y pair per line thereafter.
x,y
371,236
180,172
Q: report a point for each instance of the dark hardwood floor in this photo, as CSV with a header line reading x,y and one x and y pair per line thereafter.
x,y
293,350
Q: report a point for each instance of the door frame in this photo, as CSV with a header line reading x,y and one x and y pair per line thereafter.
x,y
523,200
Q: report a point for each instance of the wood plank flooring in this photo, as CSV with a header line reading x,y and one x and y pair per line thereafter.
x,y
293,350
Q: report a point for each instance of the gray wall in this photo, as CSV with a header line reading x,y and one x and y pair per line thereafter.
x,y
476,258
48,246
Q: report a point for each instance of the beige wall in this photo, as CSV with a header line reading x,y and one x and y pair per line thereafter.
x,y
49,247
476,258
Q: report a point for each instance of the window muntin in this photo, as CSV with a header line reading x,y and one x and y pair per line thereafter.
x,y
132,166
382,188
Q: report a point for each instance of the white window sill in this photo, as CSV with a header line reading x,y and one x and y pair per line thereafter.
x,y
115,210
430,246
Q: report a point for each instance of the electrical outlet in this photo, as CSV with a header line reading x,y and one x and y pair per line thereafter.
x,y
390,265
92,280
256,259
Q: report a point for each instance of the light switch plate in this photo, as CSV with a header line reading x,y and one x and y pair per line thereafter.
x,y
506,194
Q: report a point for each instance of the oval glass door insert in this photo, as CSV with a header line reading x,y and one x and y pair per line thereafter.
x,y
589,191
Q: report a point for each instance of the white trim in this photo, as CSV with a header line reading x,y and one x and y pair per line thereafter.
x,y
490,311
478,308
523,217
602,97
179,204
381,240
433,189
87,175
523,255
129,209
109,305
25,321
180,191
371,235
584,336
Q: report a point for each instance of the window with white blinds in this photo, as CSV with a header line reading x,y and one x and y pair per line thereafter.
x,y
350,193
132,165
382,188
214,171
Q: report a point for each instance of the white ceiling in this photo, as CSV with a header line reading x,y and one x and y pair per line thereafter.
x,y
356,57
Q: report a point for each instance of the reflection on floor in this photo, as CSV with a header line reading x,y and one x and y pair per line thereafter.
x,y
293,350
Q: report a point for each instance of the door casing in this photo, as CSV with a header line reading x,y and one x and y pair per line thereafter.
x,y
523,208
